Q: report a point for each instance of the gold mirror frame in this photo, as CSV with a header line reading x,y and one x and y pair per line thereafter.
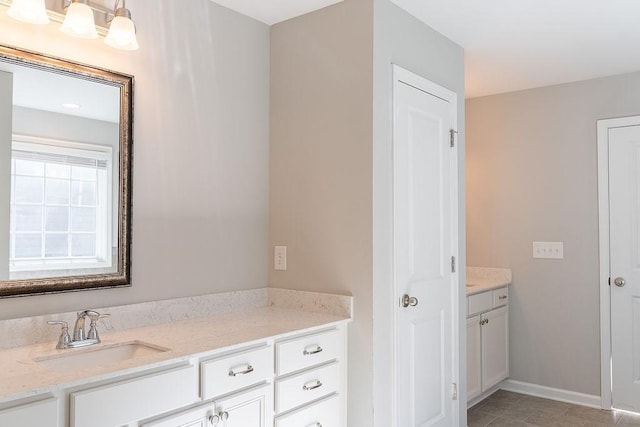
x,y
121,278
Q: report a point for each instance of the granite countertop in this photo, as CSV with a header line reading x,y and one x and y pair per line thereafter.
x,y
21,376
481,279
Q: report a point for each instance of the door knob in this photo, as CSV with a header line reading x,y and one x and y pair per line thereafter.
x,y
408,301
619,282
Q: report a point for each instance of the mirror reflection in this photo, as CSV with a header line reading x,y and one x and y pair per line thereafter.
x,y
63,200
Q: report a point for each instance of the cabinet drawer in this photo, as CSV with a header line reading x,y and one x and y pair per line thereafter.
x,y
479,302
325,413
500,297
308,351
44,414
120,403
239,370
302,388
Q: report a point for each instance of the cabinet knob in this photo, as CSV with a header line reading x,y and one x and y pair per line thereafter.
x,y
214,419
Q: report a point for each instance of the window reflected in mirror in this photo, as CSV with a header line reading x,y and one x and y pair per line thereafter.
x,y
64,190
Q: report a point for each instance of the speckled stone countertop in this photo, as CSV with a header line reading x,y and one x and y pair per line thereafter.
x,y
22,376
482,279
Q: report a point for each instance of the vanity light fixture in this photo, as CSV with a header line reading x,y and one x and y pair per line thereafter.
x,y
30,11
79,20
122,31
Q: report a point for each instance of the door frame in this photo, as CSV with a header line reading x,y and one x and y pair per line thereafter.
x,y
603,219
404,76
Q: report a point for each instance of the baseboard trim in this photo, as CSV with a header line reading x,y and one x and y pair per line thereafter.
x,y
552,393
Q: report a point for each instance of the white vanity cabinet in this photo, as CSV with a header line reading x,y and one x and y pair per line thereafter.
x,y
41,414
294,379
487,341
310,380
134,399
250,408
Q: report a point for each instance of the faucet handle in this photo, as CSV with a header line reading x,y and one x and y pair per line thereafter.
x,y
93,330
65,338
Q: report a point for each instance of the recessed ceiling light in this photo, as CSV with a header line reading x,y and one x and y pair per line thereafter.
x,y
71,105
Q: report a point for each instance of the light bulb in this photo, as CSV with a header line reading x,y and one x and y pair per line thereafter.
x,y
30,11
79,22
122,32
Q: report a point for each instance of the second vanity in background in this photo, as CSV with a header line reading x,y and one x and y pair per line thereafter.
x,y
487,330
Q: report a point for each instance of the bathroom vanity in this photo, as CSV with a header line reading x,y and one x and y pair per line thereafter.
x,y
487,330
269,365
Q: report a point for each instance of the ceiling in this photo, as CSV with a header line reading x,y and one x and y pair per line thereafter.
x,y
512,44
274,11
519,44
41,90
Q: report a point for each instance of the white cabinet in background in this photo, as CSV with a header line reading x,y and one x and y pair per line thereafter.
x,y
474,359
40,414
487,341
495,347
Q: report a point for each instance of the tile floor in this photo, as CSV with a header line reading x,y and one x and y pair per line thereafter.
x,y
504,408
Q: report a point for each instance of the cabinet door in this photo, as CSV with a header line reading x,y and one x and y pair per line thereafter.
x,y
474,361
42,414
495,347
196,417
252,408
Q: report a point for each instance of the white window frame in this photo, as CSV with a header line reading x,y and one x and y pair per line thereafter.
x,y
104,234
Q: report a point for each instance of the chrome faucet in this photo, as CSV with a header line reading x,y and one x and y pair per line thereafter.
x,y
80,337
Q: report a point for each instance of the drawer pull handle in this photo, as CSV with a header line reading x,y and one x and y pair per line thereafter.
x,y
308,352
234,373
502,297
317,384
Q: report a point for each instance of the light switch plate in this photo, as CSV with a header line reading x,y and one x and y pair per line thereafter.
x,y
280,258
548,250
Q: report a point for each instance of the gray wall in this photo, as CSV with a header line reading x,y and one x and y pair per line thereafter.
x,y
401,39
201,150
321,132
532,176
6,96
47,124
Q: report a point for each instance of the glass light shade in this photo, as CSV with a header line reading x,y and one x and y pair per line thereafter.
x,y
122,34
79,22
30,11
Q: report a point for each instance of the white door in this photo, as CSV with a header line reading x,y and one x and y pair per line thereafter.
x,y
624,226
425,224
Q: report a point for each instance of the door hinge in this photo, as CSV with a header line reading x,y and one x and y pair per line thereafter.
x,y
454,391
453,264
452,137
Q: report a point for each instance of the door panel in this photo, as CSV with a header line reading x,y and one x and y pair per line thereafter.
x,y
624,203
423,213
495,348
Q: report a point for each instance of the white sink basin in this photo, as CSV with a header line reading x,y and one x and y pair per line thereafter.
x,y
76,359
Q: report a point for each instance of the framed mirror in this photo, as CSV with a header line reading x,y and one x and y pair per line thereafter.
x,y
65,175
